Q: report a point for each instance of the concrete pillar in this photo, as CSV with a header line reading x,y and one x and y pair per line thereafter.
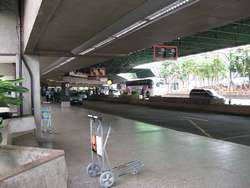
x,y
27,104
65,95
33,63
18,76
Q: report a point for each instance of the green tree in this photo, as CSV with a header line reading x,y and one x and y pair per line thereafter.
x,y
243,63
218,69
232,60
190,68
173,71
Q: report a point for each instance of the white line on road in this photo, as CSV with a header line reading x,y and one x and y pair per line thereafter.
x,y
195,118
240,136
198,127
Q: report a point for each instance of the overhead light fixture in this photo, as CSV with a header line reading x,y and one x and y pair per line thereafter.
x,y
130,28
108,40
178,5
59,65
86,51
68,60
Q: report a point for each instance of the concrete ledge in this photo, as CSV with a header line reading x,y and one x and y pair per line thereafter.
x,y
181,104
20,126
27,167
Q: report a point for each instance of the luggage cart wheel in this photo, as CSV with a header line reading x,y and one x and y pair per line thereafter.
x,y
135,171
107,179
93,170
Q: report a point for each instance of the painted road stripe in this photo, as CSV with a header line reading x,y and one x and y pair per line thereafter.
x,y
198,127
232,137
195,118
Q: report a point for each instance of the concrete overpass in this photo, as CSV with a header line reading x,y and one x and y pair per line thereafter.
x,y
60,32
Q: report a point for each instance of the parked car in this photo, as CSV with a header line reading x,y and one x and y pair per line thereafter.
x,y
116,93
83,95
76,98
207,94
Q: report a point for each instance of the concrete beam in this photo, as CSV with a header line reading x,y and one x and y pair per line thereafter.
x,y
37,15
50,53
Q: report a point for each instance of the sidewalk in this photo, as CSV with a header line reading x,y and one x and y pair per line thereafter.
x,y
172,159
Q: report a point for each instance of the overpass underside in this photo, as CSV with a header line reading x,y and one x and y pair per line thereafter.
x,y
69,35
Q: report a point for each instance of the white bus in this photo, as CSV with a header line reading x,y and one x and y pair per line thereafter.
x,y
147,86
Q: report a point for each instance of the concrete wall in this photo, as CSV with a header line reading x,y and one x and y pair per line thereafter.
x,y
8,23
7,70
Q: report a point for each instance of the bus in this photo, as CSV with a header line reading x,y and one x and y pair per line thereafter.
x,y
147,86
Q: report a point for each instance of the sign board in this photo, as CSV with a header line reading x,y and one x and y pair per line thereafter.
x,y
99,145
98,72
78,74
163,52
96,144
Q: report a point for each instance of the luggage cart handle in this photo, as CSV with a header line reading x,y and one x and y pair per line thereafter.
x,y
94,117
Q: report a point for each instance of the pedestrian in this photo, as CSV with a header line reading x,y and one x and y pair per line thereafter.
x,y
47,95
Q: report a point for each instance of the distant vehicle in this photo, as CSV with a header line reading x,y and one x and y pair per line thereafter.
x,y
116,93
207,94
153,86
76,98
83,95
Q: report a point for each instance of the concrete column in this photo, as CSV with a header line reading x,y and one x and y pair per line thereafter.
x,y
65,95
33,63
27,107
18,76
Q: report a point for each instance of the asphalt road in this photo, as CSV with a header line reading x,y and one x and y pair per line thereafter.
x,y
224,127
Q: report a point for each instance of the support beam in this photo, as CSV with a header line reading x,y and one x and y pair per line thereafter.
x,y
49,53
231,33
37,15
33,63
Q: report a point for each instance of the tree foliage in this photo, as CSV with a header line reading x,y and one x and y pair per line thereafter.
x,y
209,70
206,69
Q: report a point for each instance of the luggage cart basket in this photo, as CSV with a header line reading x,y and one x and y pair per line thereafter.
x,y
46,120
100,164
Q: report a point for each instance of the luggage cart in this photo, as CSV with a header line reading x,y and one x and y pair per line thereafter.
x,y
100,164
46,120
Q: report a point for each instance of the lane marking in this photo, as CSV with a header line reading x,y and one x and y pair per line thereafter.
x,y
232,137
195,118
198,127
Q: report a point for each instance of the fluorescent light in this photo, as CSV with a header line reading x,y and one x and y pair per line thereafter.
x,y
66,61
86,51
59,65
108,40
177,5
130,28
70,59
180,4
